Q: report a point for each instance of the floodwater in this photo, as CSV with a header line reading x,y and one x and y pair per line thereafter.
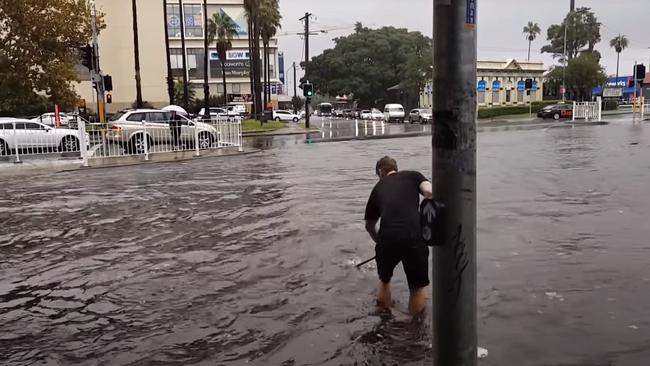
x,y
250,260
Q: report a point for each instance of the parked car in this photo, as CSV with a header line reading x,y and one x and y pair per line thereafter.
x,y
348,113
556,111
338,113
127,128
366,114
394,113
285,116
420,115
49,119
34,136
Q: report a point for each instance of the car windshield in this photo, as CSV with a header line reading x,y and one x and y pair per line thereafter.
x,y
396,109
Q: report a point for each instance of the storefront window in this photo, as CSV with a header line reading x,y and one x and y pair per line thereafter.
x,y
195,62
176,60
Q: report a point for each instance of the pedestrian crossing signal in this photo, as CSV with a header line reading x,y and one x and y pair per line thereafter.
x,y
308,90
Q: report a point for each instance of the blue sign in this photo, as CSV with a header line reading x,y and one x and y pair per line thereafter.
x,y
521,85
471,12
496,85
189,20
535,86
174,21
482,86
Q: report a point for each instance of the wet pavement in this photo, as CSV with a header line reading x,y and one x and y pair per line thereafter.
x,y
250,259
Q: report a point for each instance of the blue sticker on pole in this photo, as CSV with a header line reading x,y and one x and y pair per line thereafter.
x,y
471,13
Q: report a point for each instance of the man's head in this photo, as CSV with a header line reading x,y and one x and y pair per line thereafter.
x,y
385,166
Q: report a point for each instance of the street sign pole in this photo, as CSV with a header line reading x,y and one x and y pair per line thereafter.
x,y
454,180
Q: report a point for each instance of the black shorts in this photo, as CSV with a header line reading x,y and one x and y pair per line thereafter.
x,y
414,258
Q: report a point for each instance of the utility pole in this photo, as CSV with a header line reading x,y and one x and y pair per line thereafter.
x,y
186,87
170,79
308,101
206,47
295,87
136,53
454,181
96,76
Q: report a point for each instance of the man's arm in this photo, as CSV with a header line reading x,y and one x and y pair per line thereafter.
x,y
426,189
371,227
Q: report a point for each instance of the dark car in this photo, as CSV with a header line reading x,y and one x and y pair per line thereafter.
x,y
556,111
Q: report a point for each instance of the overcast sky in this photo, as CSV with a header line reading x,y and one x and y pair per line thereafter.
x,y
500,25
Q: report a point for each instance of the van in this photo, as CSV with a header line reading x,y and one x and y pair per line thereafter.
x,y
394,113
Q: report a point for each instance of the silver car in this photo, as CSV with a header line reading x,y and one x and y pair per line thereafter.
x,y
129,128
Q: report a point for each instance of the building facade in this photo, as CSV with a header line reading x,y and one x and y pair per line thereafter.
x,y
117,51
502,83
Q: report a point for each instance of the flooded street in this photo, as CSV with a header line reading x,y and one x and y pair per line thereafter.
x,y
250,259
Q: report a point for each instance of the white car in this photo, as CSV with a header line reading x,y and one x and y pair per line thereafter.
x,y
376,114
367,114
36,137
285,116
49,119
127,128
394,112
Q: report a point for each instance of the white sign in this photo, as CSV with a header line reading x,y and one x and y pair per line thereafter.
x,y
238,55
612,92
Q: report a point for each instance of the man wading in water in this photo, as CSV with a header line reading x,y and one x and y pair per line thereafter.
x,y
396,200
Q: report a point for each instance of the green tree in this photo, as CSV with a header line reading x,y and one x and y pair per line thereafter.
x,y
583,73
297,103
179,91
582,35
368,62
619,43
269,24
39,51
531,31
222,29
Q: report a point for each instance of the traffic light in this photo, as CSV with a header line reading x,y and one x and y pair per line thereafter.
x,y
640,72
529,84
108,83
87,55
308,90
109,99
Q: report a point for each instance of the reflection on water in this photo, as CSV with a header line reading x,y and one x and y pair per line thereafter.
x,y
250,260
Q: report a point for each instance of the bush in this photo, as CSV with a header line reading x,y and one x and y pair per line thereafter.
x,y
487,112
610,105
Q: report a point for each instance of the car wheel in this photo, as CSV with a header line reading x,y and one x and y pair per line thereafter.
x,y
69,144
278,119
137,144
4,148
556,116
295,120
206,140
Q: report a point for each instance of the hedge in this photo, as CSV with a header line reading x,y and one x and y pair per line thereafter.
x,y
511,110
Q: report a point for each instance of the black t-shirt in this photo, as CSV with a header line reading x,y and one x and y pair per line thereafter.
x,y
396,200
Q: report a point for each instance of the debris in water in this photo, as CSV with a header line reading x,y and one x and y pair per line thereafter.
x,y
482,352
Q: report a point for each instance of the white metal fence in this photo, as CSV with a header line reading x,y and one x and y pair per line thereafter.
x,y
588,110
120,139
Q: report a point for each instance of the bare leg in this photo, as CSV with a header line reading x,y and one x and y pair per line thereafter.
x,y
417,301
384,297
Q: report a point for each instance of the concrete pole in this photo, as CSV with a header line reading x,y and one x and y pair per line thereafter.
x,y
454,180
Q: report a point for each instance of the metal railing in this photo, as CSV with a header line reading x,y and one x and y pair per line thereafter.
x,y
121,139
645,111
588,110
151,137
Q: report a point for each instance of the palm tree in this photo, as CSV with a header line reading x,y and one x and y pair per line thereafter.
x,y
269,24
619,43
252,9
222,29
531,31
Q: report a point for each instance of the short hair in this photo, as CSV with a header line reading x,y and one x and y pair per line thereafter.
x,y
386,165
